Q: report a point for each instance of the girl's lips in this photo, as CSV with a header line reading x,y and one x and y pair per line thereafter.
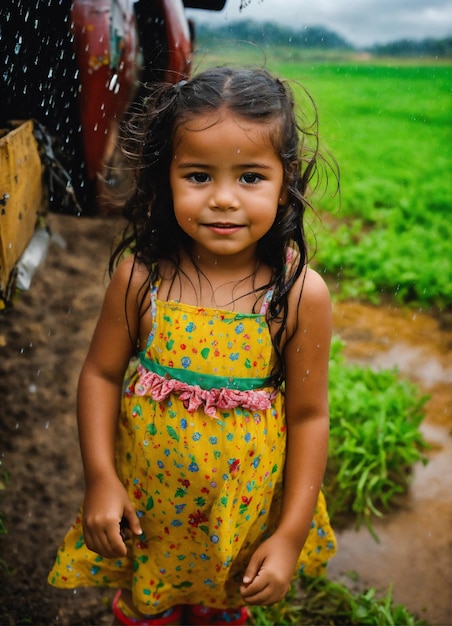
x,y
223,228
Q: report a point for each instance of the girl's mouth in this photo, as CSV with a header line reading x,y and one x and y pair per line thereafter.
x,y
224,228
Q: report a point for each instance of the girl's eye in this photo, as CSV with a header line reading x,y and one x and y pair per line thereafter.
x,y
250,178
198,177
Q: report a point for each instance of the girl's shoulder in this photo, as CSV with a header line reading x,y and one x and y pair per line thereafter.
x,y
309,288
131,271
131,278
309,297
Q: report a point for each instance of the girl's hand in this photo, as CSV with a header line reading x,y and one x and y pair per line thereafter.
x,y
106,504
270,570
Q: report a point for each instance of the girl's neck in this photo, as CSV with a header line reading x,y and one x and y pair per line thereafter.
x,y
217,283
223,267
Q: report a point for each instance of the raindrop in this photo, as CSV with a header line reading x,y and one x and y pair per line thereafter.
x,y
32,388
113,82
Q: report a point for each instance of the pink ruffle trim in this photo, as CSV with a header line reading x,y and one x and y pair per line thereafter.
x,y
193,396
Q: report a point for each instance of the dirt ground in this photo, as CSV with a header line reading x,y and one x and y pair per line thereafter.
x,y
42,345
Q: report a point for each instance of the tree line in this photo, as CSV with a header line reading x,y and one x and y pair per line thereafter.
x,y
273,34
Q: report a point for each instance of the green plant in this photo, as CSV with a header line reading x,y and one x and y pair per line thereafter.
x,y
375,438
321,602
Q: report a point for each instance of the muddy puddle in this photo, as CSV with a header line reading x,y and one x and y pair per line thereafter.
x,y
414,553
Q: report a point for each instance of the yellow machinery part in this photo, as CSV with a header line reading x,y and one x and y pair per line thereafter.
x,y
21,196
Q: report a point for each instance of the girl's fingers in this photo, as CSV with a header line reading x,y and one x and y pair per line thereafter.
x,y
263,596
131,521
256,586
107,543
252,570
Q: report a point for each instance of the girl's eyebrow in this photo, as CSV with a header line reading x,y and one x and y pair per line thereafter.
x,y
192,165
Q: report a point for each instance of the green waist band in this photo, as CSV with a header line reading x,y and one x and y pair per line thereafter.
x,y
205,381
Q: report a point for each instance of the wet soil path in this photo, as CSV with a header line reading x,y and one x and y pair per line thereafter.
x,y
42,345
414,553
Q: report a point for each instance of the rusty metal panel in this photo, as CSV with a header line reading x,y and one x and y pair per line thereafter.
x,y
21,196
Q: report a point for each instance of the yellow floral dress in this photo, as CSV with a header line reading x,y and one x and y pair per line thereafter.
x,y
200,449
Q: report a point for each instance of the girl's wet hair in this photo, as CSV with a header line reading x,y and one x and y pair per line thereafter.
x,y
252,94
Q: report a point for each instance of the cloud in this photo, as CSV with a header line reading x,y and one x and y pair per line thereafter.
x,y
361,22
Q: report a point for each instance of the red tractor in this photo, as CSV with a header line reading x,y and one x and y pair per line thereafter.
x,y
69,69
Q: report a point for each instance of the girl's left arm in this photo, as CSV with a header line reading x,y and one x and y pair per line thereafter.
x,y
271,568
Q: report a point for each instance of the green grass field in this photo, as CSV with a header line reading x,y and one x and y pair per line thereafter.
x,y
389,126
390,129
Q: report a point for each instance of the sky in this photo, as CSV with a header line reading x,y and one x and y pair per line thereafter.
x,y
361,22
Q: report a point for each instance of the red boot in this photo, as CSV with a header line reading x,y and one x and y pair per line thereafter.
x,y
199,615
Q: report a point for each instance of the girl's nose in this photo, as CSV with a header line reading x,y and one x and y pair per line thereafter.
x,y
224,197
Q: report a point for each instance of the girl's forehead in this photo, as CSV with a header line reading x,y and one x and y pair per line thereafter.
x,y
222,123
201,121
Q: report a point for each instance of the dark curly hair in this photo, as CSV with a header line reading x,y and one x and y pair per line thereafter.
x,y
152,232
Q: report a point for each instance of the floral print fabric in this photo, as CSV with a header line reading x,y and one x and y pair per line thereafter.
x,y
205,478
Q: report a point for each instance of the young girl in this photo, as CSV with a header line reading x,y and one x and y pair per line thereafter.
x,y
203,496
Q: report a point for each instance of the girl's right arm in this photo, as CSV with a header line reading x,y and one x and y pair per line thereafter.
x,y
98,402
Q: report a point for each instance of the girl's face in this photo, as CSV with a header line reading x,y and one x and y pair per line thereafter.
x,y
226,182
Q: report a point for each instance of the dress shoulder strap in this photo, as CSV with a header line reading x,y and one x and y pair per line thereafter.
x,y
291,256
154,287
